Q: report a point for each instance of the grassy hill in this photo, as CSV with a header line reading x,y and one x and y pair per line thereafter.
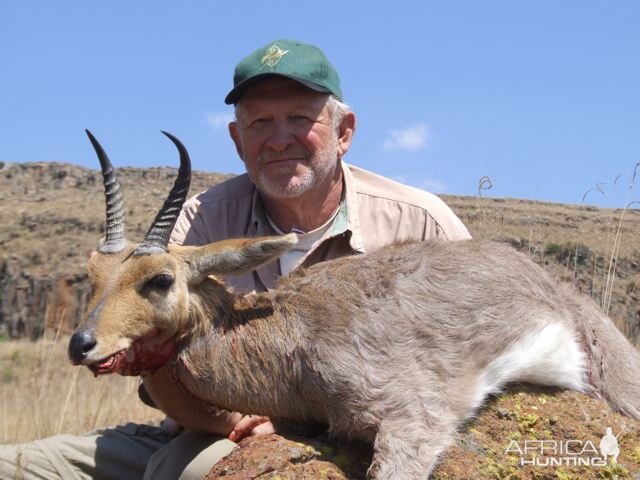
x,y
52,215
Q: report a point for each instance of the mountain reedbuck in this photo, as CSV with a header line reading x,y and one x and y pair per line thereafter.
x,y
396,347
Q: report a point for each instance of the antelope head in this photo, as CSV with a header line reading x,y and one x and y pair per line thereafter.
x,y
145,295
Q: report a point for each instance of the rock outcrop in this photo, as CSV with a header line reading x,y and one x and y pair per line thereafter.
x,y
527,433
31,304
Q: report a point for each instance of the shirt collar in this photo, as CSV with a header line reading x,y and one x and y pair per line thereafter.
x,y
259,225
347,219
349,205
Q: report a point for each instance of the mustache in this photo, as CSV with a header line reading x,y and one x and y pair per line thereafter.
x,y
288,153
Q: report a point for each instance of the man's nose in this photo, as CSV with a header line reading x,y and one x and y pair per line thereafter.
x,y
281,137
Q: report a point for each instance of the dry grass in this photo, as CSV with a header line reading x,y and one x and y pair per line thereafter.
x,y
42,394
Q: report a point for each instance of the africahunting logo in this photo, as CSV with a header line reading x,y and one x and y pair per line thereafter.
x,y
566,453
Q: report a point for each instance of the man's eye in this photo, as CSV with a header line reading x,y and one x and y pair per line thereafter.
x,y
258,123
300,120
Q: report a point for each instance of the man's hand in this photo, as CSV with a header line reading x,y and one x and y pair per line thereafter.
x,y
186,410
247,426
251,425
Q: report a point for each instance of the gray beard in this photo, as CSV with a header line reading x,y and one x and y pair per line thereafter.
x,y
320,167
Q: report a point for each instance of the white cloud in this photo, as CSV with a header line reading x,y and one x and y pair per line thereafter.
x,y
412,138
423,183
432,185
219,119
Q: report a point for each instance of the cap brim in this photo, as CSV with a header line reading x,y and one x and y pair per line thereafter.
x,y
240,89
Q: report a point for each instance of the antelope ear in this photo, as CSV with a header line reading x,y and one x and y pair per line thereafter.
x,y
238,256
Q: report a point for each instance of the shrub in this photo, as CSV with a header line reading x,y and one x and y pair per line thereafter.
x,y
569,252
7,376
552,248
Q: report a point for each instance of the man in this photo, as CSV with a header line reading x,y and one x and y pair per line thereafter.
x,y
291,131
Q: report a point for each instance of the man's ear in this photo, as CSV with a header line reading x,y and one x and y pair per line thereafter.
x,y
236,256
234,132
345,133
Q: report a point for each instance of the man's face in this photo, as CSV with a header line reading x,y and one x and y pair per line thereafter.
x,y
285,136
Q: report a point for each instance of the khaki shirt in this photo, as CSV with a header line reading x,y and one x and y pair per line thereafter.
x,y
374,212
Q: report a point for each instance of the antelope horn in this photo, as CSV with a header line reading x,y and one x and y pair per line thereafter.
x,y
114,239
157,237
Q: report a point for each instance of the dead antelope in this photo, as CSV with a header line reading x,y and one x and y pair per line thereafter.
x,y
395,347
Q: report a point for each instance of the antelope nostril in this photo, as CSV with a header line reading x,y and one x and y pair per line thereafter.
x,y
81,344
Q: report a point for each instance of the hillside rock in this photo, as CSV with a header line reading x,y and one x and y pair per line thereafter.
x,y
31,304
293,457
540,423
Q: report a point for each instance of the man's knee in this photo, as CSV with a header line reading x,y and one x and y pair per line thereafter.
x,y
188,456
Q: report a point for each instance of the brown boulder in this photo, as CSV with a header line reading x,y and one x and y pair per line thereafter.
x,y
541,423
277,457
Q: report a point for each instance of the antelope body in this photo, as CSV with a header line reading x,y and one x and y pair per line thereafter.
x,y
395,347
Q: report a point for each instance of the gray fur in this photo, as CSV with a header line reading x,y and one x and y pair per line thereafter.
x,y
393,347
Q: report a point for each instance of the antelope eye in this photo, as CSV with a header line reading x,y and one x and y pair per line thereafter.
x,y
162,281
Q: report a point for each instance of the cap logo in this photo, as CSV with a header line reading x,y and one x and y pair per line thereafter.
x,y
273,55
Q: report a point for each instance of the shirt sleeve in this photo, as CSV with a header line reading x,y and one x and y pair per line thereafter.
x,y
189,228
451,228
447,225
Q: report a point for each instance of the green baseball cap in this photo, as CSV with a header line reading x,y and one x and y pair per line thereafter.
x,y
296,60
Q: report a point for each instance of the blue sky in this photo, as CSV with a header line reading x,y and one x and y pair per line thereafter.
x,y
543,97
